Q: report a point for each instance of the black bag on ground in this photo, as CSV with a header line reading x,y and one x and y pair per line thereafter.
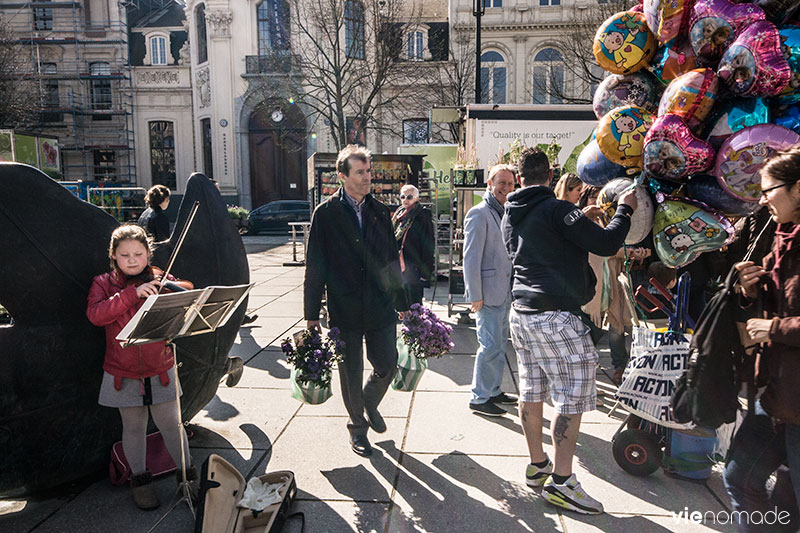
x,y
707,393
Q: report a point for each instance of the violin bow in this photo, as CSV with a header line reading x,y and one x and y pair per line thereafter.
x,y
178,245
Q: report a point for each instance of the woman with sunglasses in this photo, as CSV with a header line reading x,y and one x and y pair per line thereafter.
x,y
769,436
413,228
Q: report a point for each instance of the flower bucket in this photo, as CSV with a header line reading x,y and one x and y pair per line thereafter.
x,y
309,393
409,368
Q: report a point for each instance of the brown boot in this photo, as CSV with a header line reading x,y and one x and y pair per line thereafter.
x,y
193,479
142,491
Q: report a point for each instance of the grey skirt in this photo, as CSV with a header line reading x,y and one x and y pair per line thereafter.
x,y
136,393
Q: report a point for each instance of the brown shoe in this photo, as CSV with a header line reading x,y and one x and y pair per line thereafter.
x,y
617,376
142,491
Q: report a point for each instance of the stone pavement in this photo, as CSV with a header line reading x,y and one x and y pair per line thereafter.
x,y
438,467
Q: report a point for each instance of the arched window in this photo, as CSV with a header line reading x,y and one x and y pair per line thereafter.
x,y
162,153
158,51
493,78
354,29
548,77
273,26
200,24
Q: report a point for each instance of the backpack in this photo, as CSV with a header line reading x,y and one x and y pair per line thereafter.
x,y
707,393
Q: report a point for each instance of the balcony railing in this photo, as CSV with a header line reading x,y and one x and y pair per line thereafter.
x,y
280,62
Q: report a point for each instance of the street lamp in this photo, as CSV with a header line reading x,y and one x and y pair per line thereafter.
x,y
478,9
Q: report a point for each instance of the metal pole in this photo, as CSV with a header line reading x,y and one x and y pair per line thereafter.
x,y
478,10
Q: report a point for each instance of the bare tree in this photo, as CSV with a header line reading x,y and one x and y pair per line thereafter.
x,y
453,83
19,95
345,63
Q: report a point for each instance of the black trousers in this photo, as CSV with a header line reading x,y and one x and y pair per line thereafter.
x,y
382,355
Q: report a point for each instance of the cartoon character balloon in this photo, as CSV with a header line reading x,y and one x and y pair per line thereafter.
x,y
684,228
593,168
714,24
666,18
673,152
706,188
673,60
617,90
624,44
642,218
691,97
754,64
744,153
732,115
621,133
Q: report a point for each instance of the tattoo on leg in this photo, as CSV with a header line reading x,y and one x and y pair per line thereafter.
x,y
560,431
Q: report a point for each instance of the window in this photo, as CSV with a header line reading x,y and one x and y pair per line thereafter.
x,y
415,43
550,2
105,165
200,25
273,26
415,131
548,77
492,3
162,153
42,18
158,51
208,156
493,78
354,29
100,89
50,100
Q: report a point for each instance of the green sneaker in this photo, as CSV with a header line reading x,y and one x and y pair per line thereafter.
x,y
535,477
571,496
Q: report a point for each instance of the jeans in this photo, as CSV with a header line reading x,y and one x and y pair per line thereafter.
x,y
758,450
382,355
491,358
618,347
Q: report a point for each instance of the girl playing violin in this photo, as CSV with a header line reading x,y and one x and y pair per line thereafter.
x,y
141,378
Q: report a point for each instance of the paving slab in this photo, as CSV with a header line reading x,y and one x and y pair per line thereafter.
x,y
26,514
267,370
453,372
327,468
457,492
608,522
335,516
281,307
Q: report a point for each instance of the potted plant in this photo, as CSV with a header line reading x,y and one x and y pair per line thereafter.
x,y
240,217
312,359
423,335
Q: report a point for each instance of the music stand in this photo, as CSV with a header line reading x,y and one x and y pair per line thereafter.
x,y
167,317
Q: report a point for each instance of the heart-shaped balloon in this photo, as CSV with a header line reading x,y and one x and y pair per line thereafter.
x,y
593,168
715,24
744,153
754,64
684,228
642,218
673,60
706,188
623,43
672,151
621,134
666,18
729,116
691,97
632,89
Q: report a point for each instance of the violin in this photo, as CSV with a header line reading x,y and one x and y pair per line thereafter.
x,y
151,273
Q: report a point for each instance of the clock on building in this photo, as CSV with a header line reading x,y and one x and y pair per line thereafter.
x,y
277,115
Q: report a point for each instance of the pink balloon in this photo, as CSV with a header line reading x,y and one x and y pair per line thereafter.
x,y
742,155
714,24
754,64
672,151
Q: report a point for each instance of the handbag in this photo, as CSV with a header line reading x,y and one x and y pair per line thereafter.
x,y
157,460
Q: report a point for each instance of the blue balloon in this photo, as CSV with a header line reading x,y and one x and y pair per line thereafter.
x,y
733,115
706,188
595,169
789,118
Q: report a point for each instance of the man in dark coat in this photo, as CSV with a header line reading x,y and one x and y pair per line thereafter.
x,y
353,252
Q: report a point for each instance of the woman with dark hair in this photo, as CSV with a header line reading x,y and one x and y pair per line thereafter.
x,y
413,229
769,436
154,220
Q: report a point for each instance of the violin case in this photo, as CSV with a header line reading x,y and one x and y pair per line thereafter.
x,y
222,487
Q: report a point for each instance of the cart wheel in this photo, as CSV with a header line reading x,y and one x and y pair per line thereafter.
x,y
637,452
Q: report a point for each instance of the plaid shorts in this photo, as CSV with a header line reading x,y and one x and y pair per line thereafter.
x,y
555,352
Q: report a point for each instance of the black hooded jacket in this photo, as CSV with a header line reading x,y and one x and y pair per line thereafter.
x,y
548,241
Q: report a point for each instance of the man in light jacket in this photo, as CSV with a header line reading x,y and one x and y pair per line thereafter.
x,y
487,277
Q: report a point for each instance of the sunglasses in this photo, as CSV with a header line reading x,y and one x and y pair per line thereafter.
x,y
406,196
768,189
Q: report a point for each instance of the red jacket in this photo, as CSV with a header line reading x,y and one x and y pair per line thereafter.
x,y
112,305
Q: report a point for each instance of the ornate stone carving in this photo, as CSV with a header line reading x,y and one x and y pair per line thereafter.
x,y
158,77
203,87
220,22
184,55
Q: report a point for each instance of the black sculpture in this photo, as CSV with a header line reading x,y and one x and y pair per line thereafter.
x,y
51,246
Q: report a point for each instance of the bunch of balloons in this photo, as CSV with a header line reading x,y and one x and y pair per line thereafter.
x,y
701,93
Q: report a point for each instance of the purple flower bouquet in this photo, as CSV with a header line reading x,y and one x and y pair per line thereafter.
x,y
313,359
423,335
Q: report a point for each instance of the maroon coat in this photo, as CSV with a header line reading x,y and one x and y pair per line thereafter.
x,y
112,305
781,365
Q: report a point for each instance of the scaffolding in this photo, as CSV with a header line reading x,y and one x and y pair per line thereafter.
x,y
80,61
